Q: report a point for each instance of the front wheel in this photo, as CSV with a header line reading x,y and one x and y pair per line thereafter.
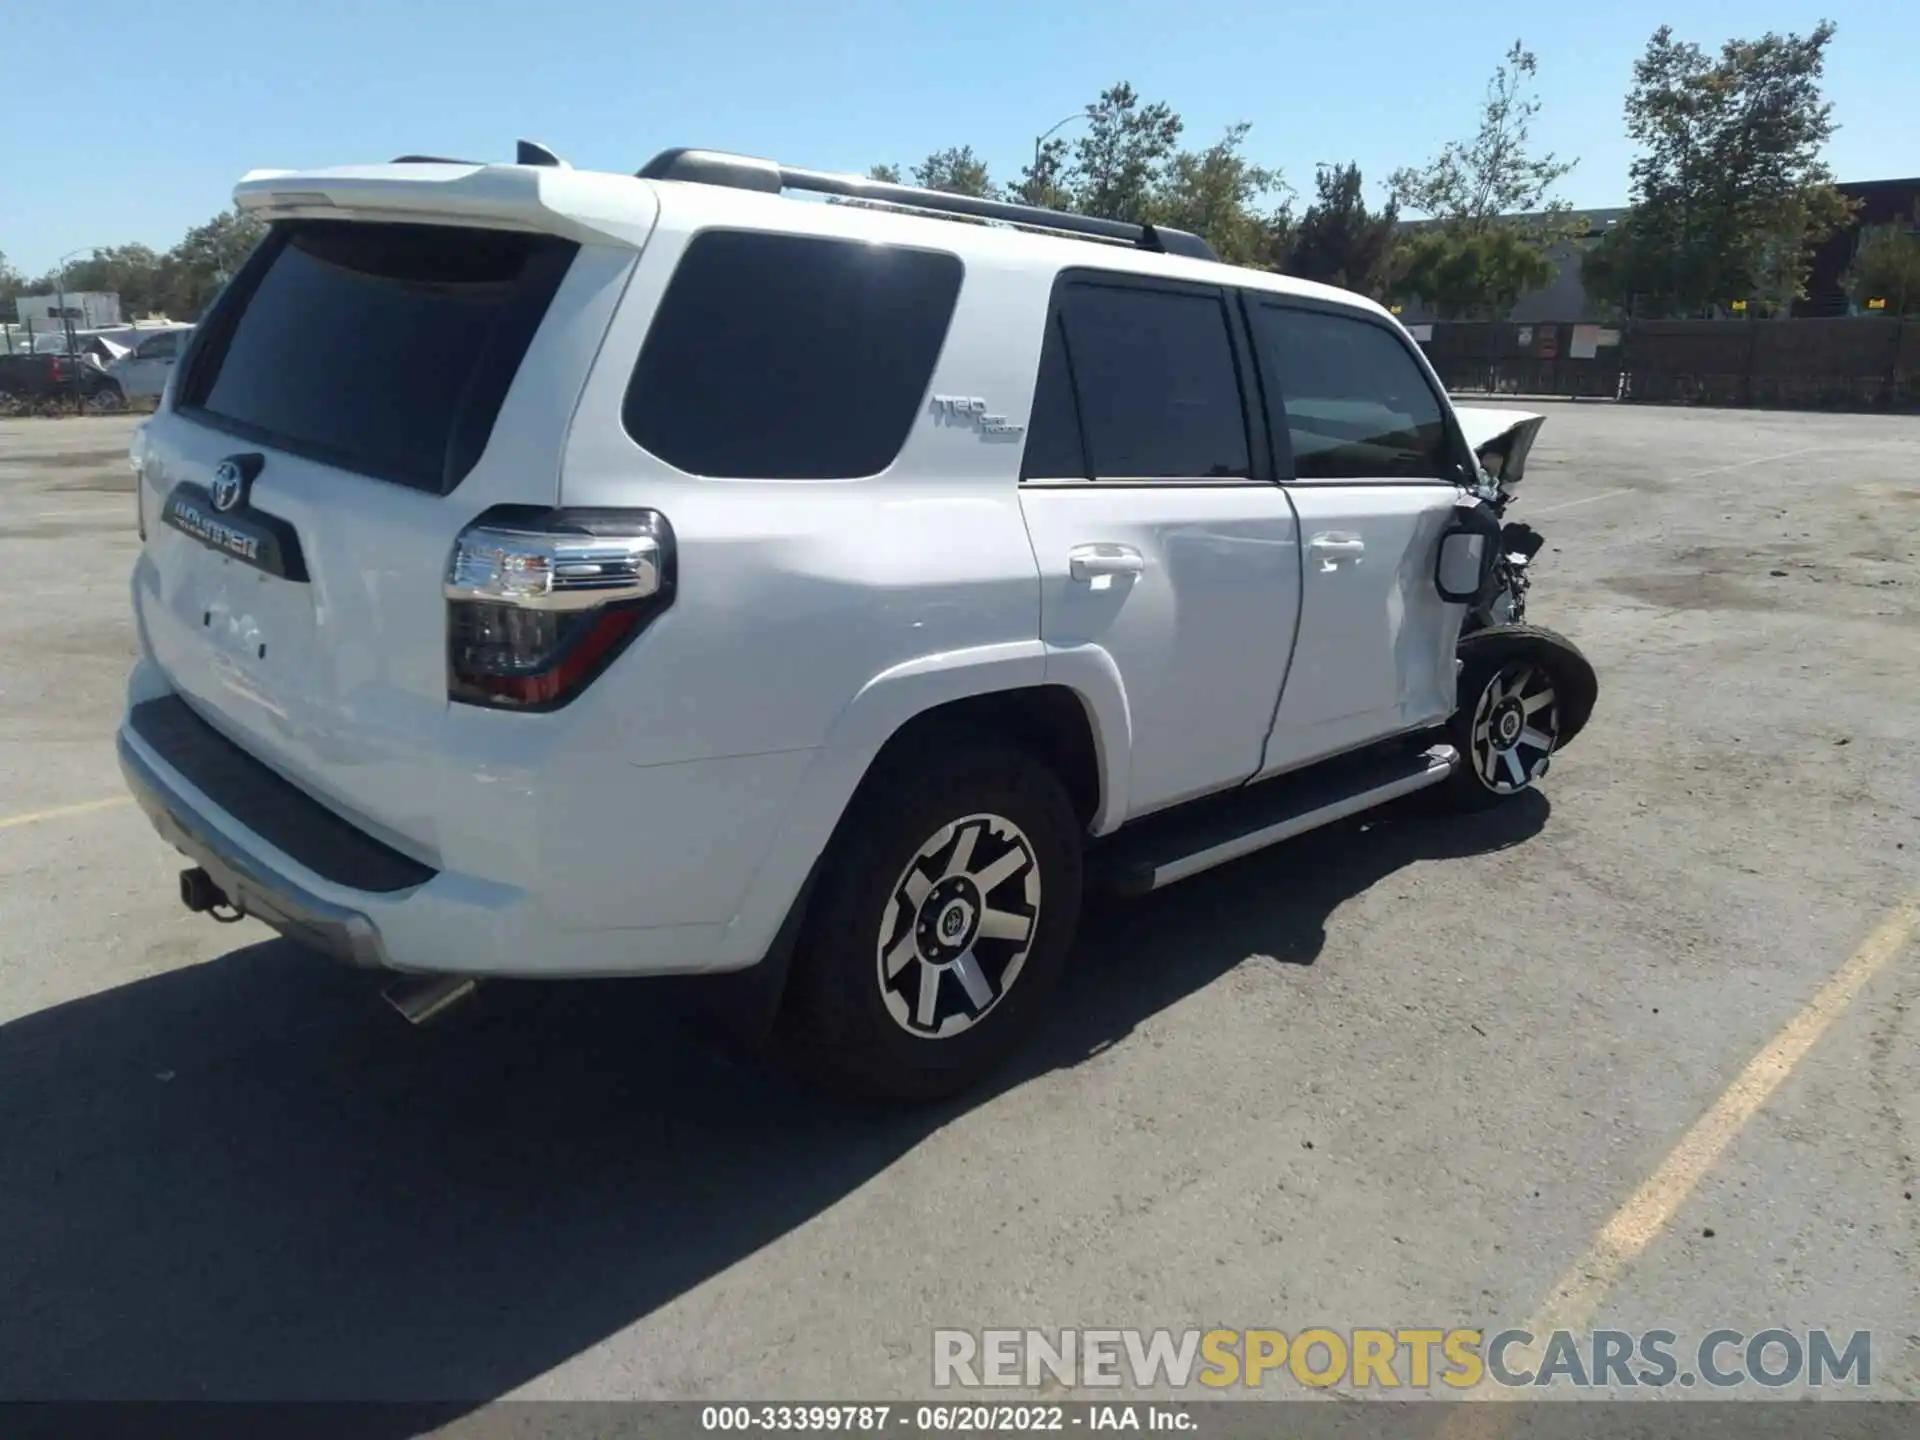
x,y
1510,733
941,924
1524,693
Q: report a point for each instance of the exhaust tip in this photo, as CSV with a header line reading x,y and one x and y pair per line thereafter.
x,y
421,998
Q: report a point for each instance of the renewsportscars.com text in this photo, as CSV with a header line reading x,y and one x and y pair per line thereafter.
x,y
1401,1359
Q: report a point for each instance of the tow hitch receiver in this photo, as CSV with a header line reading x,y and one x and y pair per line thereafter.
x,y
198,892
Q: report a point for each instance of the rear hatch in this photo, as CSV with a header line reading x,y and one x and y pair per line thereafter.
x,y
367,386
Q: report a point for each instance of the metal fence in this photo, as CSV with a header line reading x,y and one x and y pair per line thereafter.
x,y
1790,364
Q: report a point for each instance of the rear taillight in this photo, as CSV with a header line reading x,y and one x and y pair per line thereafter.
x,y
59,371
539,604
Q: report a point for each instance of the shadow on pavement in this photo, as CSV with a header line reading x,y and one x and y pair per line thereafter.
x,y
247,1180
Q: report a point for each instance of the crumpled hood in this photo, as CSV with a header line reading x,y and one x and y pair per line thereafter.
x,y
1505,434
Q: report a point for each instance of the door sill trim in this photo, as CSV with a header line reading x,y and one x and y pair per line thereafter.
x,y
1163,855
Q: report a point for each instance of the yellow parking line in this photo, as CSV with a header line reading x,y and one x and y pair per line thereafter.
x,y
58,812
1574,1300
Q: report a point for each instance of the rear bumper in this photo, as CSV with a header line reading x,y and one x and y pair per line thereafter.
x,y
250,882
445,923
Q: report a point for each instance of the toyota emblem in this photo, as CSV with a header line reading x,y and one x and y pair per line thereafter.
x,y
227,486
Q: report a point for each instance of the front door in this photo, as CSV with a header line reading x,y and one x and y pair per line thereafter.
x,y
1158,538
1372,479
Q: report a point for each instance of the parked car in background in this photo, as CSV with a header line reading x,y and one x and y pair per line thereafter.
x,y
143,371
32,378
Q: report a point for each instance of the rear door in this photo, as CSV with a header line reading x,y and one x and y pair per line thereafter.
x,y
1371,464
361,392
1160,535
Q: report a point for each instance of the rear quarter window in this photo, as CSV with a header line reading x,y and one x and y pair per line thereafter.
x,y
790,356
382,349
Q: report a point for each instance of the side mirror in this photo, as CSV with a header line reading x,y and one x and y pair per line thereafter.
x,y
1468,551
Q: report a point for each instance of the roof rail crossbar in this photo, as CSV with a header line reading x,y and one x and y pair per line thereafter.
x,y
745,172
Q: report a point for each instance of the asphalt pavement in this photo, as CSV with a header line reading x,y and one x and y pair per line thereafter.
x,y
1412,1072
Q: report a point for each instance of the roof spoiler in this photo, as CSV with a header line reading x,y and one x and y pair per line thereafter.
x,y
526,152
769,177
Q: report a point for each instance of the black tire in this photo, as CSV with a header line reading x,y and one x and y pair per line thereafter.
x,y
845,1020
1514,693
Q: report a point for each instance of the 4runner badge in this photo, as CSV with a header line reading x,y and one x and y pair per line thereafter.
x,y
972,410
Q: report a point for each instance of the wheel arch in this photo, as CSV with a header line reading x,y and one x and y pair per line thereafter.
x,y
1074,715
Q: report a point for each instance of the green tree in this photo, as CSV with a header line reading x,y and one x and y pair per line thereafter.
x,y
1466,274
1730,196
1044,180
135,273
956,171
1474,184
1339,241
1119,160
1887,267
206,258
1217,193
12,285
1493,220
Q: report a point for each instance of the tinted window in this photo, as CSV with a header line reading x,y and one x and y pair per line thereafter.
x,y
1357,405
1054,448
385,349
790,357
160,347
1158,389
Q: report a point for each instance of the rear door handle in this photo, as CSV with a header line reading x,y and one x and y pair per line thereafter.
x,y
1090,562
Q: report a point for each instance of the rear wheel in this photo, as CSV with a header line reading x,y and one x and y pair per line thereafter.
x,y
941,922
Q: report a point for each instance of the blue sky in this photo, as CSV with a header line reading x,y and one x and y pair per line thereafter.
x,y
182,97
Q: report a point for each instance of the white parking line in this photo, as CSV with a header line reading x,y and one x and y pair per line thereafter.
x,y
1690,475
1757,460
1587,500
34,817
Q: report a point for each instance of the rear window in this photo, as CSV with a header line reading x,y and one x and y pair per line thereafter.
x,y
790,356
383,349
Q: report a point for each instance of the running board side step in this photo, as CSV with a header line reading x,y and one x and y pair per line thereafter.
x,y
1157,851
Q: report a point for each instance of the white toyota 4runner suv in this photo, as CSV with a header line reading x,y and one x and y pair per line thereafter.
x,y
558,574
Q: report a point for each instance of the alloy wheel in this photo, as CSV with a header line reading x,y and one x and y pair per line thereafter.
x,y
1516,724
958,927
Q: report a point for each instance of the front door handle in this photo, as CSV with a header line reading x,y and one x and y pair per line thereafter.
x,y
1335,546
1090,562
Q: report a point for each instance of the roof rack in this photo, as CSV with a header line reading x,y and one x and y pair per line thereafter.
x,y
745,172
